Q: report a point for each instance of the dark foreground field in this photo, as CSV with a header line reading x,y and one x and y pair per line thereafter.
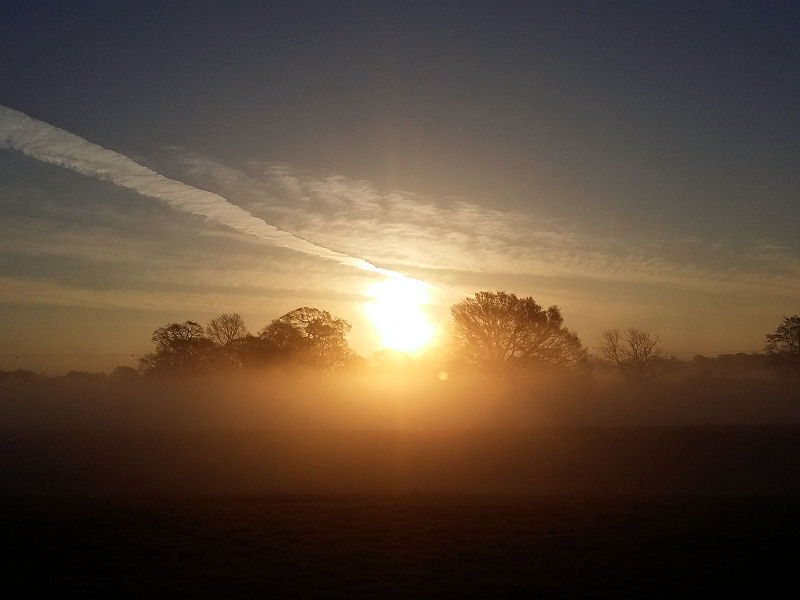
x,y
617,511
403,546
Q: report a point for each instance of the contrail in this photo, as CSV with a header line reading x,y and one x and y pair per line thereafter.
x,y
55,146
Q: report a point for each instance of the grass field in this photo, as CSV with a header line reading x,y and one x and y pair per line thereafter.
x,y
403,546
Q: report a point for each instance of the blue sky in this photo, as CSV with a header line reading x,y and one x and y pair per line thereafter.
x,y
634,163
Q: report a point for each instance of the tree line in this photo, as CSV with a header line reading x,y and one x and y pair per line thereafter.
x,y
494,332
305,336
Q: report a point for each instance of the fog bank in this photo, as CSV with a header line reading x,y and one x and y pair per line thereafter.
x,y
303,433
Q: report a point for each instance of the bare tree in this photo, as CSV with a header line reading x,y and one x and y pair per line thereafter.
x,y
499,333
226,329
783,345
634,353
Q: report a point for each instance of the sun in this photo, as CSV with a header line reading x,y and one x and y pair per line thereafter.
x,y
397,315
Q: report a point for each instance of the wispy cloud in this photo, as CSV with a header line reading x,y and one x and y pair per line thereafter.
x,y
411,232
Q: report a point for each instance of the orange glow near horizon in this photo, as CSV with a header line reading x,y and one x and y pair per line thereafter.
x,y
397,315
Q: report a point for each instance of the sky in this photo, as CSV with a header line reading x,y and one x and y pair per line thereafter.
x,y
636,164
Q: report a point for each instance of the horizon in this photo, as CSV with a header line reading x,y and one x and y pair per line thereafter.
x,y
112,361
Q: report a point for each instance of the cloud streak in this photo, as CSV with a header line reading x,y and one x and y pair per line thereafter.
x,y
52,145
411,232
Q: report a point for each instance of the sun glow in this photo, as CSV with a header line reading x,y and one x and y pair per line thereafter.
x,y
397,314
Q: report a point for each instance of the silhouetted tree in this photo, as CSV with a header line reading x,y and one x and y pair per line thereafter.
x,y
124,373
633,353
783,345
21,376
228,332
181,348
255,352
499,333
310,336
74,376
226,329
737,365
284,338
